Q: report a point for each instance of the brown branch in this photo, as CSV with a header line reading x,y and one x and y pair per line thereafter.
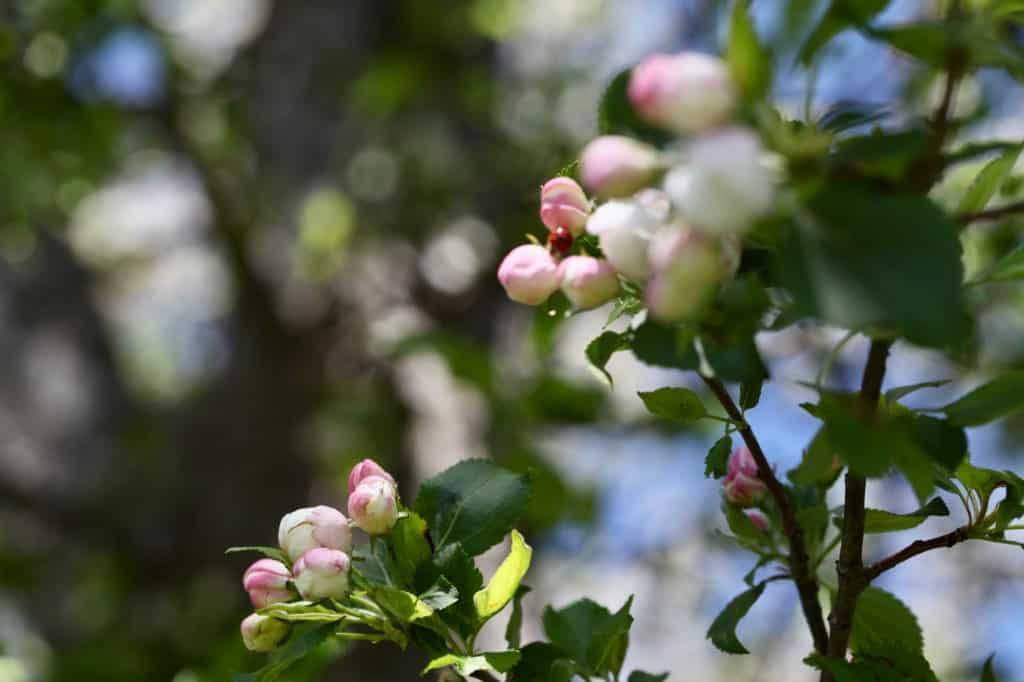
x,y
991,214
951,538
799,562
850,566
484,675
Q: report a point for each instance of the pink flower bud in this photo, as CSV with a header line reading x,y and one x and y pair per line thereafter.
x,y
742,461
727,183
742,485
266,581
686,93
758,517
365,469
305,529
564,204
322,574
374,505
688,269
588,282
529,274
263,633
617,166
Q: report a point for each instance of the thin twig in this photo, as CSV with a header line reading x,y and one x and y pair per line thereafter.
x,y
799,562
916,547
991,214
850,566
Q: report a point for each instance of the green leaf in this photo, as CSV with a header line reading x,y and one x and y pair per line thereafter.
x,y
741,525
542,662
819,465
870,259
514,629
495,661
299,645
881,521
943,442
997,398
988,181
601,349
675,404
722,632
716,464
474,503
845,115
841,14
749,61
639,676
615,114
894,394
404,606
1009,267
890,663
457,567
410,548
506,579
440,595
881,619
883,155
732,359
987,673
302,611
270,552
930,41
750,393
590,635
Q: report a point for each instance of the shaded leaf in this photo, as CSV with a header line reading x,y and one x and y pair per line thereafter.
x,y
590,635
270,552
298,646
639,676
410,548
750,62
722,632
601,349
474,503
894,394
542,662
716,464
881,521
840,15
615,114
998,398
513,631
675,404
881,619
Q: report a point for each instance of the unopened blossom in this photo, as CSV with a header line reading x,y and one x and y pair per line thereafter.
x,y
741,485
588,282
263,633
688,268
373,505
758,518
725,185
563,203
266,581
310,527
529,274
365,469
322,573
624,229
686,93
617,166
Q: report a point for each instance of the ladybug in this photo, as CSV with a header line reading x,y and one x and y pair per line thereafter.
x,y
561,239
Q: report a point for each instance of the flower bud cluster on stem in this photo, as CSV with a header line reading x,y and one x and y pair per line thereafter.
x,y
318,543
669,222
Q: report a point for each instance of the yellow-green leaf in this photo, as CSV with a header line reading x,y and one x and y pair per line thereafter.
x,y
503,585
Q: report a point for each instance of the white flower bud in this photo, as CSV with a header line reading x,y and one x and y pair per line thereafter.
x,y
305,529
322,574
686,93
263,633
529,274
588,282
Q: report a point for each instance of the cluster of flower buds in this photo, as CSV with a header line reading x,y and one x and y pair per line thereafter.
x,y
672,220
318,543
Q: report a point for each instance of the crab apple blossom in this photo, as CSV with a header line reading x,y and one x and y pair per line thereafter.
x,y
322,573
311,527
373,505
741,485
364,470
624,229
263,633
588,282
529,274
726,184
266,581
758,518
686,93
617,166
563,203
688,269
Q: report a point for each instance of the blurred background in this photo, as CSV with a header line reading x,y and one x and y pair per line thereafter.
x,y
246,243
